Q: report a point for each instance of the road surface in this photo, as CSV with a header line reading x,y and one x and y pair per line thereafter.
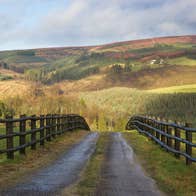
x,y
122,175
63,172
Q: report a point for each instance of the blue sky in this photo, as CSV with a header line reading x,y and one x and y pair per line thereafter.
x,y
49,23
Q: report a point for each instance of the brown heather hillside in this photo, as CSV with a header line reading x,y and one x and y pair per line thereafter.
x,y
55,53
144,43
88,68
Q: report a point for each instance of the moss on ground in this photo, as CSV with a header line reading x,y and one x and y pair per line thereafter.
x,y
92,174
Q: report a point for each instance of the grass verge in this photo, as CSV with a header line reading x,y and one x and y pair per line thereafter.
x,y
12,171
92,174
171,174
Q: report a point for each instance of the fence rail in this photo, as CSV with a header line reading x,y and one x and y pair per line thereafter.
x,y
16,134
172,136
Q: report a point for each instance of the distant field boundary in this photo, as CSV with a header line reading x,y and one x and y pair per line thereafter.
x,y
16,134
172,136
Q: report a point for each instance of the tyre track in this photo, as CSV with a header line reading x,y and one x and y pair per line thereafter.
x,y
122,175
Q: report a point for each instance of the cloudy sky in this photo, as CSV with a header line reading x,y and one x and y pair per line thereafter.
x,y
47,23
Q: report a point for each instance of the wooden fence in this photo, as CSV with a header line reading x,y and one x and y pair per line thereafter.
x,y
172,136
16,134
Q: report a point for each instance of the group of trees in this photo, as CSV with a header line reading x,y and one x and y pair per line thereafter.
x,y
119,72
18,69
4,65
119,69
51,76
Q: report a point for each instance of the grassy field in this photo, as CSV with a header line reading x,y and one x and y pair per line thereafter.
x,y
113,104
176,89
124,102
182,61
171,174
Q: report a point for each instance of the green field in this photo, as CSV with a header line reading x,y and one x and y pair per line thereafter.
x,y
182,61
124,102
176,89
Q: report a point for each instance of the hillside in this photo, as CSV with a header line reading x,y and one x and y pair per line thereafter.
x,y
144,64
110,81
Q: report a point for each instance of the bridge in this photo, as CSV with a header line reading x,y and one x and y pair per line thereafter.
x,y
122,173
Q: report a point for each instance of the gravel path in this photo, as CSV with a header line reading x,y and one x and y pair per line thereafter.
x,y
62,173
122,175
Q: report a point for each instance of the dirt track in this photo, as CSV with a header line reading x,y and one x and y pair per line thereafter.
x,y
50,180
122,175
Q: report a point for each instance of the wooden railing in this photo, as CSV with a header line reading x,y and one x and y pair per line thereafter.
x,y
16,134
172,136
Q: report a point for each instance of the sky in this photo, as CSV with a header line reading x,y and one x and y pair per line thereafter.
x,y
52,23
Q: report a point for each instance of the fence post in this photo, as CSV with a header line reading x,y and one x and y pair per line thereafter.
x,y
78,123
53,125
153,124
149,130
158,127
67,120
55,121
10,140
62,123
74,122
176,142
69,123
42,131
169,140
33,134
48,135
188,147
58,124
163,138
22,139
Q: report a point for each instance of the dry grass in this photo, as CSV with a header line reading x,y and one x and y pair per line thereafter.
x,y
13,88
89,83
165,76
10,73
14,171
144,79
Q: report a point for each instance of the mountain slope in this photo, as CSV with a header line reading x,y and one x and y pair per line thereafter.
x,y
147,63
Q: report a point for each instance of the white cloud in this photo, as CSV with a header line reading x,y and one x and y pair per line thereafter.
x,y
83,22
